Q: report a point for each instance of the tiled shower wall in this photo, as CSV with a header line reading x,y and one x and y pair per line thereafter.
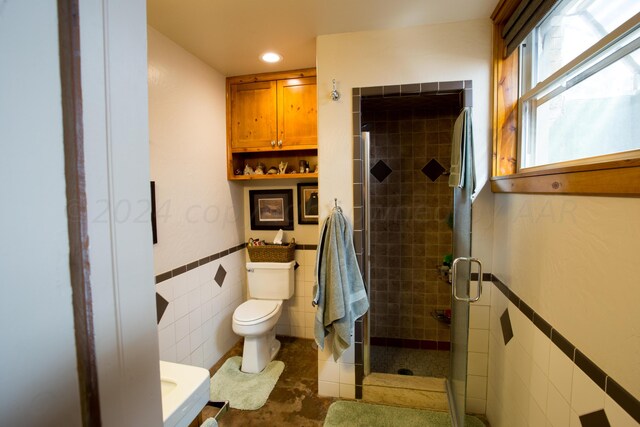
x,y
410,202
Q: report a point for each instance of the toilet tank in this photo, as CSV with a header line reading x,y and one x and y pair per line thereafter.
x,y
271,280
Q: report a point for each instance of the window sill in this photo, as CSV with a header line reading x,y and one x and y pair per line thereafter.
x,y
617,179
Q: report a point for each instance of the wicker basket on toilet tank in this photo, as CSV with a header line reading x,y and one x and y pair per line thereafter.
x,y
272,252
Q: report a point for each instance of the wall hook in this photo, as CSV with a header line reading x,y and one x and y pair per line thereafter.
x,y
335,95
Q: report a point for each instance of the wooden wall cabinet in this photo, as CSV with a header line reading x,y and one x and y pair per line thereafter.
x,y
271,118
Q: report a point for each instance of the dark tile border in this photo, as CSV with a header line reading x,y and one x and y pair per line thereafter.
x,y
202,261
622,397
413,344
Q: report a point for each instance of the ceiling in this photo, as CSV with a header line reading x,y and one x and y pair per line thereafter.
x,y
230,35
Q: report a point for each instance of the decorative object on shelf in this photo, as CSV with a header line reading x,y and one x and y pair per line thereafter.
x,y
237,172
272,171
335,95
248,170
308,203
304,166
271,209
260,169
282,167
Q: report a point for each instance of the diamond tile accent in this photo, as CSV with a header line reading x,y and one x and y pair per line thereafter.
x,y
433,169
505,323
220,275
161,306
380,171
595,419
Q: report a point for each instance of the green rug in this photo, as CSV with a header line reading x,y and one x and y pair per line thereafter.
x,y
244,391
350,414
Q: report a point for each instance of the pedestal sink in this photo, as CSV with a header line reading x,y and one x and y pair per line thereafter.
x,y
185,391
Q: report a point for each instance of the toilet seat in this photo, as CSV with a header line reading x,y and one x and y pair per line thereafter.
x,y
255,311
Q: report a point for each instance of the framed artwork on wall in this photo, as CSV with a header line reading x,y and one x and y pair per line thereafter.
x,y
308,203
271,209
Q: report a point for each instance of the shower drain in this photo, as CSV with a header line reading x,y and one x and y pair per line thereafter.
x,y
405,371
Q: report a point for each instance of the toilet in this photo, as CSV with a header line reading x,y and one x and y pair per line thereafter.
x,y
268,283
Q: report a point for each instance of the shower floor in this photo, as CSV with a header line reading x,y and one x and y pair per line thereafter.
x,y
423,363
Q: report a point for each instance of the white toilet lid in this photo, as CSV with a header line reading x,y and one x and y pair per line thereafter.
x,y
255,309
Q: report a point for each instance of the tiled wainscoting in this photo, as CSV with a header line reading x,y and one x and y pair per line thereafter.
x,y
195,305
297,313
477,362
195,326
538,378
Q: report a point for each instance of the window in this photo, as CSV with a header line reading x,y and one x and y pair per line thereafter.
x,y
580,86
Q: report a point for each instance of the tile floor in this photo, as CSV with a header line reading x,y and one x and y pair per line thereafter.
x,y
294,401
424,363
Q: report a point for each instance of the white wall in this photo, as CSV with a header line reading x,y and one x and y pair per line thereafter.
x,y
574,261
432,53
36,315
199,212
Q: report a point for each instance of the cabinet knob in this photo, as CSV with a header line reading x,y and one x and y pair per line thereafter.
x,y
273,143
280,143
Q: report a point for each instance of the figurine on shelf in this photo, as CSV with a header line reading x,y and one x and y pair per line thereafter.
x,y
260,169
248,170
272,170
282,167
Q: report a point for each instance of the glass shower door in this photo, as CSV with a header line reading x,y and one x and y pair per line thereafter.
x,y
457,381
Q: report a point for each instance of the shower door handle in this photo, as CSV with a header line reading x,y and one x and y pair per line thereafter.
x,y
454,270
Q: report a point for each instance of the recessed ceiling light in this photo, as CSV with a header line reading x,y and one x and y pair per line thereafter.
x,y
271,57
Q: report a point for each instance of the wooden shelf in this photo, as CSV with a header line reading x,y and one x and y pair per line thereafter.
x,y
310,175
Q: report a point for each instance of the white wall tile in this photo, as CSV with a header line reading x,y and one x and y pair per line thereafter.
x,y
540,350
168,354
477,364
478,340
478,317
558,410
183,349
476,387
539,386
347,391
328,370
180,306
347,373
476,406
586,396
166,337
485,297
195,338
618,417
182,328
536,413
560,372
329,389
197,357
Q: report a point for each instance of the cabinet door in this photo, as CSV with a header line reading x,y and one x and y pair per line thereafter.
x,y
253,116
297,113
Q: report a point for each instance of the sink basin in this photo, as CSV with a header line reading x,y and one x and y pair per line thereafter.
x,y
185,391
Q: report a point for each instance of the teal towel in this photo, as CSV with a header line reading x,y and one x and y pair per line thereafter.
x,y
462,151
339,290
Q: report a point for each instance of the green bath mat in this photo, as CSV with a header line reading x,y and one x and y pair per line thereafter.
x,y
349,414
244,391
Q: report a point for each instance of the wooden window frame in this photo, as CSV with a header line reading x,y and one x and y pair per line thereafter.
x,y
618,178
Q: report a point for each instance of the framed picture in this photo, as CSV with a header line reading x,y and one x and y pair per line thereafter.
x,y
308,203
271,209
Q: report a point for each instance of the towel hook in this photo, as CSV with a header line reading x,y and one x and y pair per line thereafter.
x,y
335,202
335,95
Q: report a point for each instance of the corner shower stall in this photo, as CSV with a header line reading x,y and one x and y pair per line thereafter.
x,y
409,225
410,209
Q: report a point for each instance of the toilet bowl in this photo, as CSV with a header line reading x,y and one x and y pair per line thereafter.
x,y
256,320
269,283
